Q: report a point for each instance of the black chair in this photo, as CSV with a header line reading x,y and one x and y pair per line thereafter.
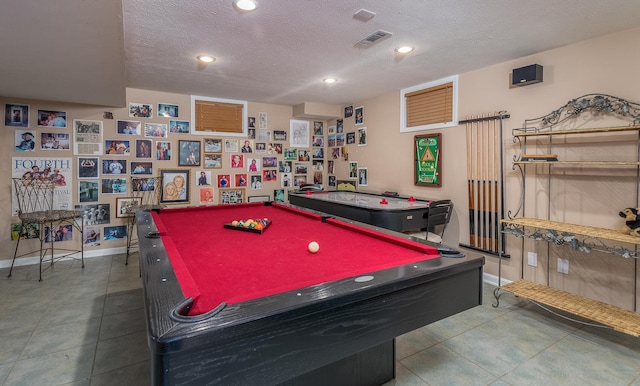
x,y
437,219
35,196
145,196
311,187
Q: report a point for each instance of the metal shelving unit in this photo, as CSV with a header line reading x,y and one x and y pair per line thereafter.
x,y
578,237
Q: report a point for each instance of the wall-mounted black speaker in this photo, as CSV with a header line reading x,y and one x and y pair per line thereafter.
x,y
527,75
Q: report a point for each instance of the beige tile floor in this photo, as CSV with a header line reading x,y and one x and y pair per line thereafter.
x,y
86,326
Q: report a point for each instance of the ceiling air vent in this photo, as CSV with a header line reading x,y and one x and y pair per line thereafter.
x,y
374,38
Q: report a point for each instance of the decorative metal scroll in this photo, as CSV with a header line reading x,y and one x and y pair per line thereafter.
x,y
580,243
591,102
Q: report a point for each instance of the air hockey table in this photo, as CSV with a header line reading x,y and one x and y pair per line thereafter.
x,y
400,214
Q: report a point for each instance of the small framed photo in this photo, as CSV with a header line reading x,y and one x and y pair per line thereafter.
x,y
117,147
363,176
189,153
179,127
279,195
224,180
213,161
163,151
237,160
264,135
261,148
204,178
348,111
129,127
167,110
231,145
156,130
143,148
114,166
339,126
212,145
55,141
231,196
125,206
264,198
115,232
318,128
279,135
95,214
25,141
286,180
262,121
359,115
88,191
340,139
114,185
48,118
140,110
141,168
362,136
16,115
353,169
87,167
175,186
256,182
206,195
290,154
351,138
241,180
253,165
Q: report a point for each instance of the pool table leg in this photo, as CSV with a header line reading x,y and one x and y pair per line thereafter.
x,y
372,367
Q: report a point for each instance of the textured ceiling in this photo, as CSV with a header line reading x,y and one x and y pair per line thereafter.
x,y
88,51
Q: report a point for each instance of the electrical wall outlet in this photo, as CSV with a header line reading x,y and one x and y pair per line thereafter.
x,y
533,259
563,266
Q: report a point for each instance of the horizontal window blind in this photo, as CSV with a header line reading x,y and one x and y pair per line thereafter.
x,y
218,116
430,105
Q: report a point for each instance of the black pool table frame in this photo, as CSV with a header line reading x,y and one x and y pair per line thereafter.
x,y
335,333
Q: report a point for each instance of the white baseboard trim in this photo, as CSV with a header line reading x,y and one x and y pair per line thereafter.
x,y
493,279
30,260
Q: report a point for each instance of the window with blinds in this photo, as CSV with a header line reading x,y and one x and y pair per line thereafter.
x,y
429,105
218,116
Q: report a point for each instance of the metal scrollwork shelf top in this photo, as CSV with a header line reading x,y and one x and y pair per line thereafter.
x,y
590,102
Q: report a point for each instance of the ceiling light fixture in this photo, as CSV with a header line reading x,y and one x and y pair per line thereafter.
x,y
206,58
329,80
245,5
404,49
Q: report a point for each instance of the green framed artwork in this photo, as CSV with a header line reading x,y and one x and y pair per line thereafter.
x,y
427,155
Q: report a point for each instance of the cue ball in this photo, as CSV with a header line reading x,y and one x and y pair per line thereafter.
x,y
313,247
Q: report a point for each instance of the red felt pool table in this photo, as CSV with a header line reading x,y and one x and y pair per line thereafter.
x,y
235,307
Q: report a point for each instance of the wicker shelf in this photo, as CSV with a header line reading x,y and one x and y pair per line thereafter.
x,y
529,132
581,163
599,233
621,320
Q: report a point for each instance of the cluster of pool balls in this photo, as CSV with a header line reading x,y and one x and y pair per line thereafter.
x,y
251,223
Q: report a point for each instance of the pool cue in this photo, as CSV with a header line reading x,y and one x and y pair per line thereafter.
x,y
479,179
496,153
492,185
472,240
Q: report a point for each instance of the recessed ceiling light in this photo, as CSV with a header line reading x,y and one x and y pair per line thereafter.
x,y
245,5
206,58
404,49
329,80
